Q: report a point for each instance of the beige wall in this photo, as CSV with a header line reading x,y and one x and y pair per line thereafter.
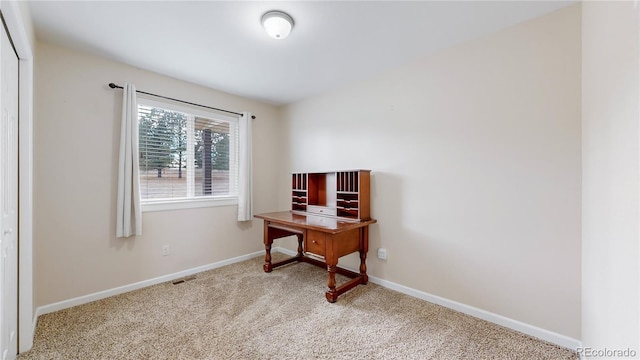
x,y
76,135
611,166
475,153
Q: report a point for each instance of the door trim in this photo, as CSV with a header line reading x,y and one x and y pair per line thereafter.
x,y
18,27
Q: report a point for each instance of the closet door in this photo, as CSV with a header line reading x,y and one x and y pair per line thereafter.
x,y
8,198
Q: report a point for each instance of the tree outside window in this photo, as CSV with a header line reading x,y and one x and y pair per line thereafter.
x,y
183,155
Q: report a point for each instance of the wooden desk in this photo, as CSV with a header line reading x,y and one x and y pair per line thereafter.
x,y
327,237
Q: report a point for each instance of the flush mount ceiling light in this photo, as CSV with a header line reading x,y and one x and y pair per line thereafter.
x,y
277,24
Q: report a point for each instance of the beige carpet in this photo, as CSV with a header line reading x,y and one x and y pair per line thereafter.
x,y
240,312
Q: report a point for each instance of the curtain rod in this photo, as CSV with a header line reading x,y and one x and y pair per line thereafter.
x,y
114,86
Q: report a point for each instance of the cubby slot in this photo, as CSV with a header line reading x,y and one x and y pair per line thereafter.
x,y
299,181
298,207
350,213
347,181
298,199
348,204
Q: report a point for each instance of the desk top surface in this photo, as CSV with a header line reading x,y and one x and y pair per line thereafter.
x,y
314,222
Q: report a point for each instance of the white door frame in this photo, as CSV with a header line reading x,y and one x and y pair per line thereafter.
x,y
9,69
18,32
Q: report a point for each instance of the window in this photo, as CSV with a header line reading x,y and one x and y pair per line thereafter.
x,y
188,156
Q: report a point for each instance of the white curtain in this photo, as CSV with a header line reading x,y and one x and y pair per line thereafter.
x,y
129,212
245,174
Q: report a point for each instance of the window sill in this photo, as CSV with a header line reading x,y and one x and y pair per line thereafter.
x,y
166,205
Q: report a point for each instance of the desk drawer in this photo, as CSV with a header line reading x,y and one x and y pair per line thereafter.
x,y
322,210
314,242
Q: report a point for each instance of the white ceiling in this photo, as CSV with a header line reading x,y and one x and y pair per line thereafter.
x,y
221,44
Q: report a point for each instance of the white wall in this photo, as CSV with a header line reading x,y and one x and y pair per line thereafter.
x,y
475,153
76,132
611,165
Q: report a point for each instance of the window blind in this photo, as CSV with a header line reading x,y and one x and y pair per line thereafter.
x,y
186,153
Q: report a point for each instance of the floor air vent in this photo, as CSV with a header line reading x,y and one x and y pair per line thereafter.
x,y
180,281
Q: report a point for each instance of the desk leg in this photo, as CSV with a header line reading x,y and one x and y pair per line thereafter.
x,y
332,294
364,248
267,247
300,236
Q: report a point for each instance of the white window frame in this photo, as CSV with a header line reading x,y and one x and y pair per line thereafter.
x,y
152,205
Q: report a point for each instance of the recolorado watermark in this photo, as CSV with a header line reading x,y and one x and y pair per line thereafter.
x,y
606,353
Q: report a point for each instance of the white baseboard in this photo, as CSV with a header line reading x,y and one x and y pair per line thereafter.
x,y
546,335
516,325
135,286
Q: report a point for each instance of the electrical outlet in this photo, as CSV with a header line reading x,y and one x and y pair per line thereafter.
x,y
382,254
165,250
